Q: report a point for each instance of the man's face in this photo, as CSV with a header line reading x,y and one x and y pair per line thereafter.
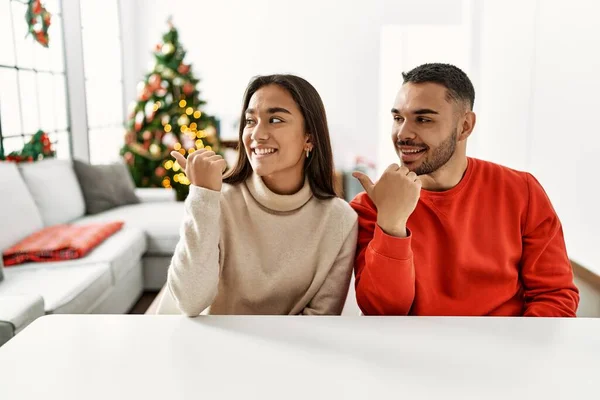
x,y
425,129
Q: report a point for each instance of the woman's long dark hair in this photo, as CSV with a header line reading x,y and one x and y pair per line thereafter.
x,y
319,166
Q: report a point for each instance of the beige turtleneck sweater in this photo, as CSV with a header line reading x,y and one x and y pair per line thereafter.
x,y
247,250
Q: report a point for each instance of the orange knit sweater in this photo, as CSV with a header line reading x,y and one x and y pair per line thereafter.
x,y
492,245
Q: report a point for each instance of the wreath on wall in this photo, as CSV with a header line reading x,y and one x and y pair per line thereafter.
x,y
38,21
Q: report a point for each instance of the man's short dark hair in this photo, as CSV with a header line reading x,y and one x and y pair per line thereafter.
x,y
457,83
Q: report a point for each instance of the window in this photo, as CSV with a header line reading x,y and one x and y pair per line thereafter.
x,y
103,78
32,81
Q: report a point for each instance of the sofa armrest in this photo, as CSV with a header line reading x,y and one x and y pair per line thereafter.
x,y
18,311
155,195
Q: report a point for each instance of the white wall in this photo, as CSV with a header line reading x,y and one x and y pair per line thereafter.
x,y
538,106
566,132
333,44
504,95
534,64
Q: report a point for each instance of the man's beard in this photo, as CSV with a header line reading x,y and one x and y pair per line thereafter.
x,y
437,157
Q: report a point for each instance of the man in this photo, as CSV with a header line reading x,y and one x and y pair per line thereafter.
x,y
445,234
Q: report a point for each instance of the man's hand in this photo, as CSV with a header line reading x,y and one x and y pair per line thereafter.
x,y
395,195
203,168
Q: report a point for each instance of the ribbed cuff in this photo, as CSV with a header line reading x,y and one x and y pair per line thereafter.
x,y
391,246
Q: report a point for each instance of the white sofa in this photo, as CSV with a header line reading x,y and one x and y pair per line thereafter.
x,y
111,277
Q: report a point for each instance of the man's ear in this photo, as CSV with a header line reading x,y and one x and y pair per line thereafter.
x,y
467,126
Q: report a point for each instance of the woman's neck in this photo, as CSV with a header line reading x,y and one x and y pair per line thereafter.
x,y
285,182
277,201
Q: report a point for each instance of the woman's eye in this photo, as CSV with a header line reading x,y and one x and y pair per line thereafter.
x,y
249,121
275,120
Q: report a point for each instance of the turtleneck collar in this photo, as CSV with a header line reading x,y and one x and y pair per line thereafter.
x,y
277,202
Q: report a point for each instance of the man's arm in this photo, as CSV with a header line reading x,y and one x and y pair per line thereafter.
x,y
384,270
546,271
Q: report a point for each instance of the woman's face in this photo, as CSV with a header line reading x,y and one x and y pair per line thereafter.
x,y
274,136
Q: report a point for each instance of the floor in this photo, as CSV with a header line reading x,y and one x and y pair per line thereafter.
x,y
143,303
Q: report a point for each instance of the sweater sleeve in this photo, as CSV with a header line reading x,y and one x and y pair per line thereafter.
x,y
384,269
193,276
546,271
330,298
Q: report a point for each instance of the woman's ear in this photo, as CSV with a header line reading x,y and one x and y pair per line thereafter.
x,y
308,145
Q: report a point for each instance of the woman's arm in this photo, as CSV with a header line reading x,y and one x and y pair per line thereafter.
x,y
330,298
193,277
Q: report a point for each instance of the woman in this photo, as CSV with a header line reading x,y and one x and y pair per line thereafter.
x,y
271,237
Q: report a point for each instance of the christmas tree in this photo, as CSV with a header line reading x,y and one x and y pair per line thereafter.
x,y
167,116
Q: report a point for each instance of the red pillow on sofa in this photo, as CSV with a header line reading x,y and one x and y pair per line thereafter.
x,y
60,242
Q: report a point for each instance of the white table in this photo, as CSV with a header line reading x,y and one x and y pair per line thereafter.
x,y
171,357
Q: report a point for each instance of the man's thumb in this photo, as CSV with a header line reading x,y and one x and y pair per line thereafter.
x,y
365,181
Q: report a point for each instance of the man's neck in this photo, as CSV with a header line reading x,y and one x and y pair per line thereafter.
x,y
447,176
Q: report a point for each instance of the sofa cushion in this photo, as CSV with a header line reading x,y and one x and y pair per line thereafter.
x,y
105,186
159,221
17,207
55,190
121,252
21,309
73,289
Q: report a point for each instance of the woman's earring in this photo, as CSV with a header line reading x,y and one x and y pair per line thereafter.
x,y
307,152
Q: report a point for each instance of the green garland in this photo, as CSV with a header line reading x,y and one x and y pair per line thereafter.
x,y
37,148
38,20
